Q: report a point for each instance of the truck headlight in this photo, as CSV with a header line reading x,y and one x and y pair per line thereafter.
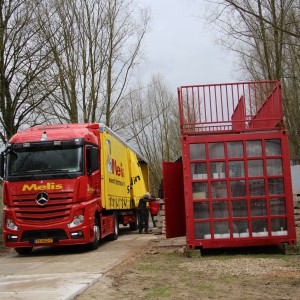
x,y
11,225
77,220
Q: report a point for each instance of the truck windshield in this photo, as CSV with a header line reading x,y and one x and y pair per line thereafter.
x,y
45,163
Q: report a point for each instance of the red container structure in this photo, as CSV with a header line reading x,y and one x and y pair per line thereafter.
x,y
236,166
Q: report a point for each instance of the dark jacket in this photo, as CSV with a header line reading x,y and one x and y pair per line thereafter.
x,y
143,203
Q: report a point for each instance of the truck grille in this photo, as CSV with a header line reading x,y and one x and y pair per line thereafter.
x,y
56,234
57,208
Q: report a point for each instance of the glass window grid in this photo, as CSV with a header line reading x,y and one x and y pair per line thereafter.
x,y
236,168
273,147
217,169
273,168
216,150
198,151
264,221
256,150
255,167
241,227
199,170
237,151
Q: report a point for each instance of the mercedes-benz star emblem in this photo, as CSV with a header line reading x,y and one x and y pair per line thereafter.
x,y
42,198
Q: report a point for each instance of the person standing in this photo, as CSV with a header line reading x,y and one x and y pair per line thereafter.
x,y
154,209
142,211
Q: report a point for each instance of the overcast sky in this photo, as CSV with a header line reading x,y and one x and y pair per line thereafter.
x,y
181,48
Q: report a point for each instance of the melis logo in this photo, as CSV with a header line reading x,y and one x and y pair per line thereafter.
x,y
41,187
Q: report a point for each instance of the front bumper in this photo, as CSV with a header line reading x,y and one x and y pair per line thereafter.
x,y
30,236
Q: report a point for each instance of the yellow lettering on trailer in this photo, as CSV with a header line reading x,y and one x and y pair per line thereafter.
x,y
123,183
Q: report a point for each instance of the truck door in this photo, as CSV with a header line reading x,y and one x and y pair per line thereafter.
x,y
93,171
174,199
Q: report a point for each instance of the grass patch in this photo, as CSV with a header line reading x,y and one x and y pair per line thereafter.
x,y
159,292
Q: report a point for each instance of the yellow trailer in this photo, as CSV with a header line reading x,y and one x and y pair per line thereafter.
x,y
124,178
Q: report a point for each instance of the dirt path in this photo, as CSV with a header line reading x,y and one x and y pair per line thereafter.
x,y
161,273
155,272
51,273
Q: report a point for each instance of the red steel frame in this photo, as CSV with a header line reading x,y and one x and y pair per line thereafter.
x,y
238,127
231,107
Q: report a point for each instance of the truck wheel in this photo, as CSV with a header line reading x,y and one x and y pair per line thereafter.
x,y
24,250
97,236
115,235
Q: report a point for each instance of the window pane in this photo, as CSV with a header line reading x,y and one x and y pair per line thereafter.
x,y
258,207
239,208
219,189
201,210
260,227
197,151
221,228
200,190
273,147
235,149
241,227
237,188
220,209
217,169
202,230
253,148
236,169
275,186
277,206
257,187
199,171
216,150
255,168
279,226
274,166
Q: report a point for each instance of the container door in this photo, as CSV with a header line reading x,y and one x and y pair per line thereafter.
x,y
174,199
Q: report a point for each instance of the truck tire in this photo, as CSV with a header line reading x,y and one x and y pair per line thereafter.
x,y
24,250
97,236
114,236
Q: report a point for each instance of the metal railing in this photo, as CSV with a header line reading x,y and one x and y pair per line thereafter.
x,y
233,107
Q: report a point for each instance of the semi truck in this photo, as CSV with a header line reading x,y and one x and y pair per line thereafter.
x,y
233,185
69,184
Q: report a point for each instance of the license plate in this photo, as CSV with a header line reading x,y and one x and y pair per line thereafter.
x,y
43,241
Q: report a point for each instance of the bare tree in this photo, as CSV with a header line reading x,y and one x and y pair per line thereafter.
x,y
23,61
154,126
125,36
265,37
74,32
246,9
95,45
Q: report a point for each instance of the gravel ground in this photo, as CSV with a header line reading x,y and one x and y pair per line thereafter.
x,y
239,266
162,273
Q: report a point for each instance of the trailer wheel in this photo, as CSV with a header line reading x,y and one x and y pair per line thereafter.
x,y
23,250
114,236
97,236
